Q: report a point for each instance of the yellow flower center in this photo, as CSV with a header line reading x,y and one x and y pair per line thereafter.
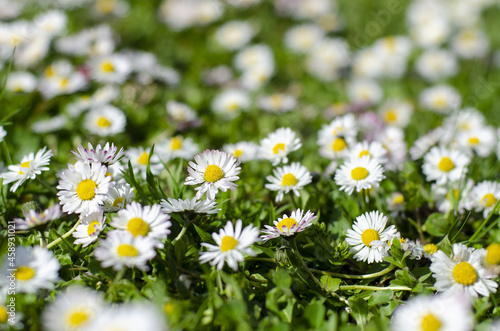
x,y
137,227
103,122
489,200
363,153
279,147
24,165
93,227
77,318
105,6
169,308
288,222
430,323
464,273
143,158
493,254
430,249
276,101
25,273
439,102
446,164
359,173
398,199
107,67
117,201
473,141
228,243
49,72
108,174
237,153
125,250
233,106
368,236
175,143
64,83
3,315
339,144
390,116
86,189
289,180
213,173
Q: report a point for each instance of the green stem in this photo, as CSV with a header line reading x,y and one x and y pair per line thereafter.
x,y
64,236
488,229
183,231
9,68
373,288
476,234
117,278
294,201
346,276
263,259
219,283
50,188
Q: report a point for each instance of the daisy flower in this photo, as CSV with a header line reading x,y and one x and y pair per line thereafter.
x,y
33,219
365,91
289,178
360,174
277,103
105,121
146,221
177,147
345,127
373,149
436,64
36,268
244,151
21,82
367,232
214,170
396,202
89,229
121,249
230,103
277,145
425,142
118,197
139,158
443,165
481,141
301,38
440,312
113,68
106,155
31,165
440,98
194,205
483,197
180,112
234,35
83,187
74,309
462,272
288,226
396,112
232,243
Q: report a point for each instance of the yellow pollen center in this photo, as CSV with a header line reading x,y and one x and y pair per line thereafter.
x,y
368,236
237,153
64,82
3,315
464,273
117,201
24,165
213,173
143,158
126,250
493,254
488,200
25,273
430,249
228,243
175,143
86,189
473,141
289,180
363,153
233,106
398,199
93,227
279,147
78,318
339,144
103,122
169,308
430,323
137,227
439,102
446,164
288,223
107,67
49,72
359,173
276,101
390,116
402,240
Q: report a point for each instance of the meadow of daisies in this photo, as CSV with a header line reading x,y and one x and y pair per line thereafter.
x,y
249,164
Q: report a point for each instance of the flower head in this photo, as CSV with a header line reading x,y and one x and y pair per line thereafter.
x,y
289,226
33,219
360,174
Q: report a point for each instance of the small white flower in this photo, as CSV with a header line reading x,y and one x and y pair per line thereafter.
x,y
139,158
234,35
288,226
425,142
230,103
214,170
463,272
21,82
113,68
482,141
33,219
89,229
396,112
483,197
180,112
471,43
232,243
244,151
360,174
302,38
364,91
177,147
373,149
444,165
106,155
436,64
367,230
396,202
289,178
440,98
105,121
277,103
277,145
121,249
193,205
118,197
61,78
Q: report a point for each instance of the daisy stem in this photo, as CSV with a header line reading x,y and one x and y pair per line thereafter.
x,y
476,234
294,201
64,236
50,188
117,278
368,276
183,231
373,288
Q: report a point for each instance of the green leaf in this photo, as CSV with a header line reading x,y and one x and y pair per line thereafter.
x,y
330,283
315,314
359,310
436,224
205,237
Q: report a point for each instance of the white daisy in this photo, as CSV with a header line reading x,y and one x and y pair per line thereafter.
x,y
232,243
345,127
364,91
230,103
61,78
463,272
33,219
36,268
396,112
443,165
83,187
118,197
113,68
106,155
277,103
373,149
89,229
177,147
471,43
105,121
214,170
50,124
197,206
436,64
392,138
328,57
121,249
146,221
234,35
278,144
396,202
31,166
75,309
289,178
21,82
453,196
483,197
367,229
440,98
302,38
139,158
244,151
482,141
425,142
288,226
180,112
360,174
437,313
